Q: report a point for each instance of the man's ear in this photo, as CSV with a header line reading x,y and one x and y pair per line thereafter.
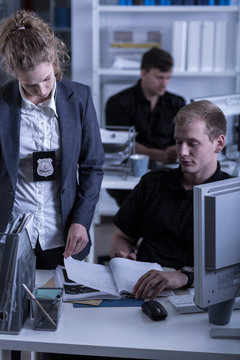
x,y
220,143
143,73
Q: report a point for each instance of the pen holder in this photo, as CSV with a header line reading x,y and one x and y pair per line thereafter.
x,y
46,308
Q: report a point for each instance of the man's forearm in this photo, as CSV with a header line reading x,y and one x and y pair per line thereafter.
x,y
120,244
154,154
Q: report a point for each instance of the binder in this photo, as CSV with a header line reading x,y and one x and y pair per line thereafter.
x,y
208,43
193,50
149,2
179,45
125,2
17,266
220,46
112,303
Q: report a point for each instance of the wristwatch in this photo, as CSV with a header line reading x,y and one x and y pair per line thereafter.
x,y
189,271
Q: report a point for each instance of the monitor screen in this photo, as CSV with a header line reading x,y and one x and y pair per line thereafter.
x,y
230,106
217,242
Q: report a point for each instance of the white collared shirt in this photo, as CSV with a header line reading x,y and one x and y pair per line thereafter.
x,y
39,131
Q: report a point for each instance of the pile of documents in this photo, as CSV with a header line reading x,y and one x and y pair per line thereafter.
x,y
84,280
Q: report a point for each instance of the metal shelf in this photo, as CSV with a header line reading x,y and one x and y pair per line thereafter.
x,y
162,9
132,72
109,17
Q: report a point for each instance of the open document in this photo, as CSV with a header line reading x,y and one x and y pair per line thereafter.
x,y
115,280
74,291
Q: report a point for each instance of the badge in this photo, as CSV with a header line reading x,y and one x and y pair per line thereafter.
x,y
44,165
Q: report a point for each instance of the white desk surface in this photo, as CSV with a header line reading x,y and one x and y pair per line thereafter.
x,y
127,332
119,181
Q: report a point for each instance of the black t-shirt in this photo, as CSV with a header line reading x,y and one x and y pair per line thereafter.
x,y
155,128
160,211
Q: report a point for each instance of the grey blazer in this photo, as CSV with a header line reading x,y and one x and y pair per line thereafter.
x,y
82,154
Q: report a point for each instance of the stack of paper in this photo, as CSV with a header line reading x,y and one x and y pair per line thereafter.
x,y
125,62
113,281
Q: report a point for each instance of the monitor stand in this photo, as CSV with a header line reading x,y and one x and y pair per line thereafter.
x,y
225,333
220,314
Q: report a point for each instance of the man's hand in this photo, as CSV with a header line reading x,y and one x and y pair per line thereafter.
x,y
169,155
125,255
122,245
155,281
76,241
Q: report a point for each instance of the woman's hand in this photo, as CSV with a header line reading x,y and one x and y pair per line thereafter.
x,y
76,241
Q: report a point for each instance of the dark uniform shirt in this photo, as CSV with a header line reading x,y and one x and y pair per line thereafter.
x,y
155,128
160,211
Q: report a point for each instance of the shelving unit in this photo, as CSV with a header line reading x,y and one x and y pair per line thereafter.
x,y
107,80
6,9
58,14
60,18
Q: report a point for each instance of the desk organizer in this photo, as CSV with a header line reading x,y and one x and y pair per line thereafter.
x,y
50,299
118,144
17,266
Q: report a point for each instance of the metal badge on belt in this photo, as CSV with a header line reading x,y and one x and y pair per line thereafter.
x,y
44,165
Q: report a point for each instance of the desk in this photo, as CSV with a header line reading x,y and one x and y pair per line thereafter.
x,y
126,332
119,181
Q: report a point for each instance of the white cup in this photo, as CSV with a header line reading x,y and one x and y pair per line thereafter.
x,y
139,164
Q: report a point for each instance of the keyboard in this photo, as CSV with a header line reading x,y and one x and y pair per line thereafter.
x,y
185,304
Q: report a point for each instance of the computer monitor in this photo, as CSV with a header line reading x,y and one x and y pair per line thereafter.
x,y
229,103
230,106
217,247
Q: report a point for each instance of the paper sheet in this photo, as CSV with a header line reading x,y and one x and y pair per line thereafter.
x,y
95,276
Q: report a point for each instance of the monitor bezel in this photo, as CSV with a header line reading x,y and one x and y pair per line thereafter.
x,y
205,280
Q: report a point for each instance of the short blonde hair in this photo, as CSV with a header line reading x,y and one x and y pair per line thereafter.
x,y
211,114
26,41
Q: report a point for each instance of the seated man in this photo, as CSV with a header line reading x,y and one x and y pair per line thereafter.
x,y
150,108
160,208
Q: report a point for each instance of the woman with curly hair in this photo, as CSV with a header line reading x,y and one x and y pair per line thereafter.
x,y
51,154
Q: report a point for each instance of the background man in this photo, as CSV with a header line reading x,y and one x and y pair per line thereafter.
x,y
150,108
160,208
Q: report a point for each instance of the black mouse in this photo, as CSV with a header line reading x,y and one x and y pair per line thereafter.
x,y
154,310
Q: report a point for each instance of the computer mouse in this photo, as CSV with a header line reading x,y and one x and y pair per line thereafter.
x,y
154,310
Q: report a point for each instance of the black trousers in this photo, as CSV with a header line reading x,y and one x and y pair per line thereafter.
x,y
48,259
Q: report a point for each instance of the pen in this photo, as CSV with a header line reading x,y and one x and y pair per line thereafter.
x,y
39,305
